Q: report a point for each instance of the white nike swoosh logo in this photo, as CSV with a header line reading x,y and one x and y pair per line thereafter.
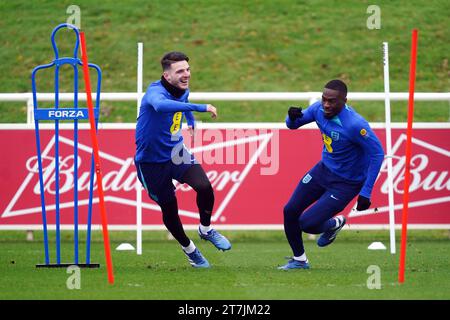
x,y
334,197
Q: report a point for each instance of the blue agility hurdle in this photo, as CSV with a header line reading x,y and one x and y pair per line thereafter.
x,y
58,114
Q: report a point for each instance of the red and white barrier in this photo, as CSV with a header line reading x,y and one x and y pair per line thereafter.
x,y
253,167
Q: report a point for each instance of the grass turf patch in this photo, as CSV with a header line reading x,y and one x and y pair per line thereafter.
x,y
247,271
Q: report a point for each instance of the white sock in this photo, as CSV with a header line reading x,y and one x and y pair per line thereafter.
x,y
301,258
190,248
338,220
204,229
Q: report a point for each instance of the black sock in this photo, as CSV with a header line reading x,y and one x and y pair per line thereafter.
x,y
172,222
196,177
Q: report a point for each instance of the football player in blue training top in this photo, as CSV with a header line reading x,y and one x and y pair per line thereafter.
x,y
351,159
162,156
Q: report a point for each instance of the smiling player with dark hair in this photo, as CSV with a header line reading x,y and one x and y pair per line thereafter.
x,y
351,160
162,156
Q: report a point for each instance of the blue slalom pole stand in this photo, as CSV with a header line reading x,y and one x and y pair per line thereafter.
x,y
58,114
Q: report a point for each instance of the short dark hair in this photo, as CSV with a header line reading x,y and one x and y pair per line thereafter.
x,y
338,85
172,57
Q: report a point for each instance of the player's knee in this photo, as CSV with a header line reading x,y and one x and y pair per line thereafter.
x,y
289,212
306,225
205,188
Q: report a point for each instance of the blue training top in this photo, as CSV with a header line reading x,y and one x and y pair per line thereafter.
x,y
158,128
351,149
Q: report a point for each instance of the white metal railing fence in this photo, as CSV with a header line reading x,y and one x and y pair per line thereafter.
x,y
311,97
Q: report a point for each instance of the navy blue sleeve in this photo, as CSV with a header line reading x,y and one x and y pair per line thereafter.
x,y
308,116
162,104
366,138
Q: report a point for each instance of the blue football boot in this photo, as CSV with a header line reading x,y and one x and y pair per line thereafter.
x,y
197,260
295,264
218,240
328,236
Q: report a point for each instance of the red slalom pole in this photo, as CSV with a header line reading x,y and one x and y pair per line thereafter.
x,y
412,78
98,172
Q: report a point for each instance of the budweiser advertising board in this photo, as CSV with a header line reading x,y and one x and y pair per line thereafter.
x,y
253,168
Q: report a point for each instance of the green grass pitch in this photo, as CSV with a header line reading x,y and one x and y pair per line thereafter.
x,y
234,45
246,272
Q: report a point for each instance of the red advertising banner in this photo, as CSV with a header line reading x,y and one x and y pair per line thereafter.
x,y
253,168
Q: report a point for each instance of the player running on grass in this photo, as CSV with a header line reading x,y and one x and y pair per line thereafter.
x,y
162,156
351,159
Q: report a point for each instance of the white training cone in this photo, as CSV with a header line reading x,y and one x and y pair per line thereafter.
x,y
376,246
125,247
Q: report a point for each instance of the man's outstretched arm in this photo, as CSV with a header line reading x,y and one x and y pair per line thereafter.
x,y
162,104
